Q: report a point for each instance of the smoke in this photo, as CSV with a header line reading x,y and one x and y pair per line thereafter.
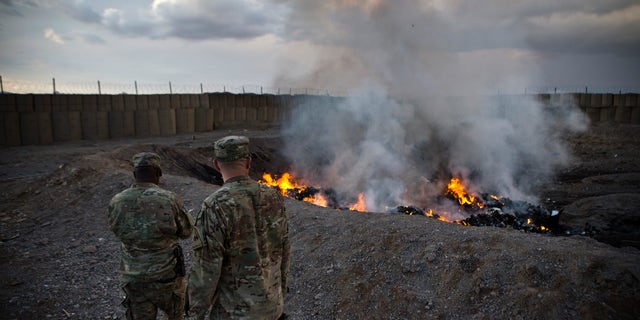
x,y
419,111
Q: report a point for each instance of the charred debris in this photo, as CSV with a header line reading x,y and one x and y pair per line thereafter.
x,y
496,212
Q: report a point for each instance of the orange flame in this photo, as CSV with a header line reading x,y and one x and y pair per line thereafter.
x,y
318,200
440,217
284,183
457,189
360,205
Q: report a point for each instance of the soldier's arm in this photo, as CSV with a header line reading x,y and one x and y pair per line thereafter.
x,y
184,220
206,266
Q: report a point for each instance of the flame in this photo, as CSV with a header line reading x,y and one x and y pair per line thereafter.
x,y
457,189
430,214
318,200
287,183
288,186
360,205
284,183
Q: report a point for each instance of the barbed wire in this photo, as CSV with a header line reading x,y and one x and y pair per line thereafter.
x,y
98,87
584,89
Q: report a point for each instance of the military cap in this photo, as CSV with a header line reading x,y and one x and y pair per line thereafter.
x,y
231,148
146,159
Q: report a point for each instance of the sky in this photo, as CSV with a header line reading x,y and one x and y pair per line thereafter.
x,y
334,45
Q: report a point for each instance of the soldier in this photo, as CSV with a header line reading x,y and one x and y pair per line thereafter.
x,y
241,245
148,221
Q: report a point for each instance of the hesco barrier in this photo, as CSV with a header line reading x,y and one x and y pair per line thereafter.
x,y
31,119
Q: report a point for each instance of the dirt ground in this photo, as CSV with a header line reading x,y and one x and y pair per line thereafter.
x,y
59,261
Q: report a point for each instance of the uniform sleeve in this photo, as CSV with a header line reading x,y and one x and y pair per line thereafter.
x,y
208,248
184,221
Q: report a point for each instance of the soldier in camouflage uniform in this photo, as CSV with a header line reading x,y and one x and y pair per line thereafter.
x,y
148,221
241,245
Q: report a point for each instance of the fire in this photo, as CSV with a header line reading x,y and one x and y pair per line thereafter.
x,y
360,205
457,189
434,215
470,212
318,200
284,183
289,187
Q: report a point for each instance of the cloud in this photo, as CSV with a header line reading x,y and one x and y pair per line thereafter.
x,y
200,19
187,19
82,11
467,25
51,35
90,38
615,31
10,8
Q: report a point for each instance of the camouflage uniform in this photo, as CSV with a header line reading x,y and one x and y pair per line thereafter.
x,y
148,221
241,247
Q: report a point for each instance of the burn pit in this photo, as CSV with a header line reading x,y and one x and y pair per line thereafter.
x,y
472,209
480,210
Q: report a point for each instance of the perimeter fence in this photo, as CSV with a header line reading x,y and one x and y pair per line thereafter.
x,y
98,87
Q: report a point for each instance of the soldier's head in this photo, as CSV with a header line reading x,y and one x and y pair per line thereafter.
x,y
231,156
146,167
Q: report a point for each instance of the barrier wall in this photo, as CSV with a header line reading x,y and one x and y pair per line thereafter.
x,y
31,119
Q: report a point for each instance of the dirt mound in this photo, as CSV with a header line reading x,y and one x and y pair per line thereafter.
x,y
60,261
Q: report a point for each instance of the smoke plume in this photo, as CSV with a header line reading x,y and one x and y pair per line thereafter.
x,y
420,110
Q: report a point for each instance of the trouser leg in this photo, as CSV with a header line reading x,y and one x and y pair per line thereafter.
x,y
136,304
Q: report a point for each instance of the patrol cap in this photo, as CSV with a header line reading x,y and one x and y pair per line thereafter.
x,y
231,148
146,159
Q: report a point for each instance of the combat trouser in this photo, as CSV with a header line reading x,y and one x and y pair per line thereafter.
x,y
145,298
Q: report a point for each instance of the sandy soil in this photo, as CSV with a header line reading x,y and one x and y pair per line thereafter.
x,y
59,261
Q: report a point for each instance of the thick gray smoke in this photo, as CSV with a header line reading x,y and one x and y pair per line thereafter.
x,y
416,117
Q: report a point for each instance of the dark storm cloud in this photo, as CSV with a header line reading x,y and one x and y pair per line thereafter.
x,y
216,19
544,25
614,31
195,19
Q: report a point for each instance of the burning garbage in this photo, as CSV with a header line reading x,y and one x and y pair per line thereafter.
x,y
479,210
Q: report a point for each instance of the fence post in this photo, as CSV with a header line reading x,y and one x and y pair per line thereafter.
x,y
135,84
99,88
54,85
1,87
242,89
201,89
170,90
